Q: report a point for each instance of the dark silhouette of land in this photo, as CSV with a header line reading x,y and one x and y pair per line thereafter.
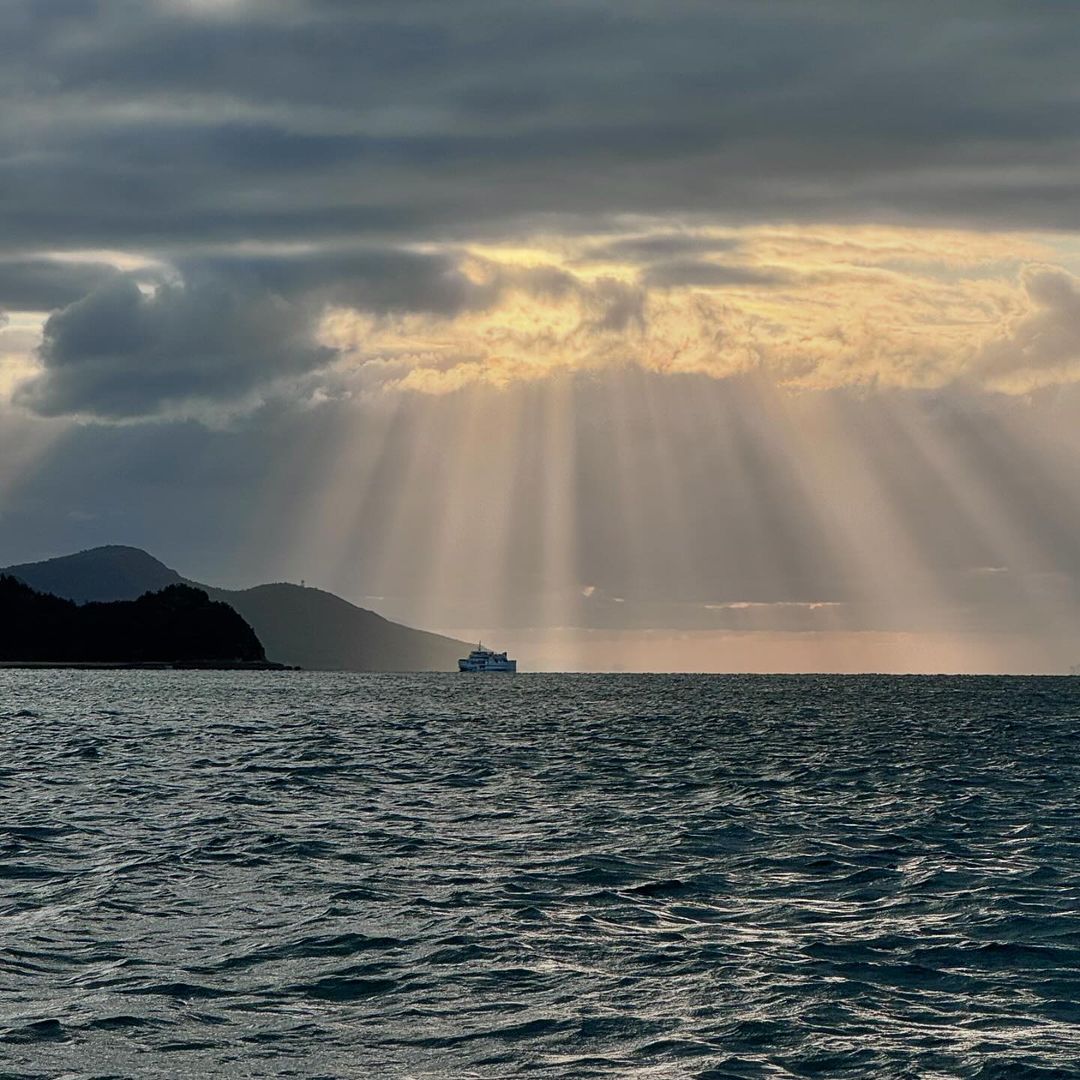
x,y
178,624
298,626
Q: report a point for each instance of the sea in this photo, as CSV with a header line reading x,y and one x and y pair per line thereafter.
x,y
290,874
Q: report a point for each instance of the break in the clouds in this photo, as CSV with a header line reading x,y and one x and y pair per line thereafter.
x,y
808,307
434,194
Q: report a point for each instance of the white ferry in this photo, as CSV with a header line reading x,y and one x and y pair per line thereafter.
x,y
481,659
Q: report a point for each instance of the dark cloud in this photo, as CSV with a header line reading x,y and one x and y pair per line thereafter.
x,y
654,247
234,324
384,281
615,306
119,354
682,272
29,284
375,280
173,124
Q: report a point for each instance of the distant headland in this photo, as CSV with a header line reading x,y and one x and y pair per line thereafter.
x,y
297,626
177,626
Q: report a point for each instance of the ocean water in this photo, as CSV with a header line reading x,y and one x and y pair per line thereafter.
x,y
308,875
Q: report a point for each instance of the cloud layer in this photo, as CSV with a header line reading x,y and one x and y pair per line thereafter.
x,y
433,194
809,308
175,121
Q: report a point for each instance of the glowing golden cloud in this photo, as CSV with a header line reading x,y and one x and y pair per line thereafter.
x,y
810,308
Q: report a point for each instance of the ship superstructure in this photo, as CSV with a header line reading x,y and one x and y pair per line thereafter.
x,y
481,659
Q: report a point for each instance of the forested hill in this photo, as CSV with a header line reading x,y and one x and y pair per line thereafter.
x,y
177,624
297,625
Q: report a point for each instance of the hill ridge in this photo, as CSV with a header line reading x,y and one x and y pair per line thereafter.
x,y
297,624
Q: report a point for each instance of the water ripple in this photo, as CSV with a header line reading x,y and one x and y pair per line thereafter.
x,y
303,875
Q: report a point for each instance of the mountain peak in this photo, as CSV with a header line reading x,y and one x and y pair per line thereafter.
x,y
103,548
111,572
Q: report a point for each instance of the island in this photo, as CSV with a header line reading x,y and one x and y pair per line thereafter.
x,y
177,626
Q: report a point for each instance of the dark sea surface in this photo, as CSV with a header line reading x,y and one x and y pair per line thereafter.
x,y
308,875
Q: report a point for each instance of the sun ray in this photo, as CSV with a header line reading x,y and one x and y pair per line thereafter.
x,y
561,598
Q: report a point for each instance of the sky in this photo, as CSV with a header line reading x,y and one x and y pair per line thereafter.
x,y
711,336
